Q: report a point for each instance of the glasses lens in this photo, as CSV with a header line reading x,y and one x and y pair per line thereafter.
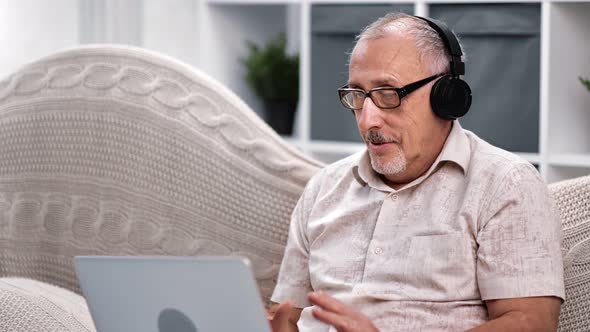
x,y
352,99
386,98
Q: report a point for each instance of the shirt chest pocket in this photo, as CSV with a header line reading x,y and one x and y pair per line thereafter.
x,y
441,267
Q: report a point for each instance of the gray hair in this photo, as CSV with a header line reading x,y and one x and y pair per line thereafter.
x,y
431,48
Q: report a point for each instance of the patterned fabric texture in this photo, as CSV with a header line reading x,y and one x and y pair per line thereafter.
x,y
109,150
573,200
30,305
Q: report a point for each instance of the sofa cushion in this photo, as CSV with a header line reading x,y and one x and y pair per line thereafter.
x,y
30,305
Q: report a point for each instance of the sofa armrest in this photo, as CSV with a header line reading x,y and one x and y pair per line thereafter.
x,y
30,305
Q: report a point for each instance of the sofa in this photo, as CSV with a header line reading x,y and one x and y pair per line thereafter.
x,y
113,150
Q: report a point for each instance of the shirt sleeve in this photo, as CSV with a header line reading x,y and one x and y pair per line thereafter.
x,y
294,283
519,239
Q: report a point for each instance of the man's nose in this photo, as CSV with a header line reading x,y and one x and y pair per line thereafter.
x,y
370,116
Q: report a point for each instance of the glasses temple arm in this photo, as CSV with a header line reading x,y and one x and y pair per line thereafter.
x,y
406,90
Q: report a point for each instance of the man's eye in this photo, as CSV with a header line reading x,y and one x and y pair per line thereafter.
x,y
358,94
389,94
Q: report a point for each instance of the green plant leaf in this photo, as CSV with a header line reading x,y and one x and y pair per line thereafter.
x,y
271,73
586,82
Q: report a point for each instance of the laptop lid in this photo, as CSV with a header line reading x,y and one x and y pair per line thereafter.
x,y
164,293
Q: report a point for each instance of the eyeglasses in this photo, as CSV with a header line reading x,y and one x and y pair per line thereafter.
x,y
382,97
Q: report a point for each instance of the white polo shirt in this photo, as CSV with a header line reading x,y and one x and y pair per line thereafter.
x,y
478,225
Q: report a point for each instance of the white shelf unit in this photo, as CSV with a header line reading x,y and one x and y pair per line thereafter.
x,y
564,114
567,102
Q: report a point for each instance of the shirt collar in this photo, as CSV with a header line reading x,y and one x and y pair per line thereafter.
x,y
456,150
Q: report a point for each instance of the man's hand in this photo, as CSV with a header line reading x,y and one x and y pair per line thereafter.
x,y
283,317
341,316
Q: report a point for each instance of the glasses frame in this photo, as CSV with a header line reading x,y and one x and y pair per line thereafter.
x,y
401,92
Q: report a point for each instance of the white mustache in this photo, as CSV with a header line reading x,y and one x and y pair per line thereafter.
x,y
376,137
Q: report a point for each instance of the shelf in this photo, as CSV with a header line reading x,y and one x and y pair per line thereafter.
x,y
570,160
477,1
292,140
365,2
252,2
335,147
326,146
357,2
568,57
543,113
229,25
560,173
568,1
533,158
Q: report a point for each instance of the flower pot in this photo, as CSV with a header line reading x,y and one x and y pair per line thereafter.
x,y
280,116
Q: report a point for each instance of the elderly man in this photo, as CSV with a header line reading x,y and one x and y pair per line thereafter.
x,y
430,228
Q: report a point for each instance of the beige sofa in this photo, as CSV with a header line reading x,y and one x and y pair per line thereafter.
x,y
109,150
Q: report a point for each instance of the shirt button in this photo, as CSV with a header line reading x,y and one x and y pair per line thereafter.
x,y
378,251
394,197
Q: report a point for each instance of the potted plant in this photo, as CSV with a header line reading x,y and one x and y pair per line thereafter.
x,y
273,75
585,82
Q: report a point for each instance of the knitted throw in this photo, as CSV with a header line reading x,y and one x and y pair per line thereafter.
x,y
573,200
30,305
109,150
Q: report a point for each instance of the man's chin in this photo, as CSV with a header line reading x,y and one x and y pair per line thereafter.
x,y
387,167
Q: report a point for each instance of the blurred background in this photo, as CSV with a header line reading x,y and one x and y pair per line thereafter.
x,y
526,61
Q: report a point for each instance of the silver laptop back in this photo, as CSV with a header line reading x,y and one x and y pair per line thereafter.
x,y
163,293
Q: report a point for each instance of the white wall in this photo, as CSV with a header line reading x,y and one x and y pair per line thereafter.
x,y
208,37
569,57
30,29
226,30
171,27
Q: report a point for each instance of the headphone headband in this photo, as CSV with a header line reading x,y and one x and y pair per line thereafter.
x,y
451,43
450,97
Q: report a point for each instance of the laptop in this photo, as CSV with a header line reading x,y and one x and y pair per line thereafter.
x,y
165,294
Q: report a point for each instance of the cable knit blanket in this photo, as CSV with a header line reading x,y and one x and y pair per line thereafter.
x,y
111,150
30,305
573,200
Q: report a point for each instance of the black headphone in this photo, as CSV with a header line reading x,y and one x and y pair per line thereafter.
x,y
450,97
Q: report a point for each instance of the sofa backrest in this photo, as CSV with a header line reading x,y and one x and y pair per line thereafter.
x,y
573,201
110,150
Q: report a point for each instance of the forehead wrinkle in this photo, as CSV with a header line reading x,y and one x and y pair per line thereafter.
x,y
373,77
385,61
396,52
385,73
384,81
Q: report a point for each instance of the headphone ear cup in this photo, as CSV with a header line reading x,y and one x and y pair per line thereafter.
x,y
450,98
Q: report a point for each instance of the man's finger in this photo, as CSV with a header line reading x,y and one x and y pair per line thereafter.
x,y
328,303
284,308
279,321
330,318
